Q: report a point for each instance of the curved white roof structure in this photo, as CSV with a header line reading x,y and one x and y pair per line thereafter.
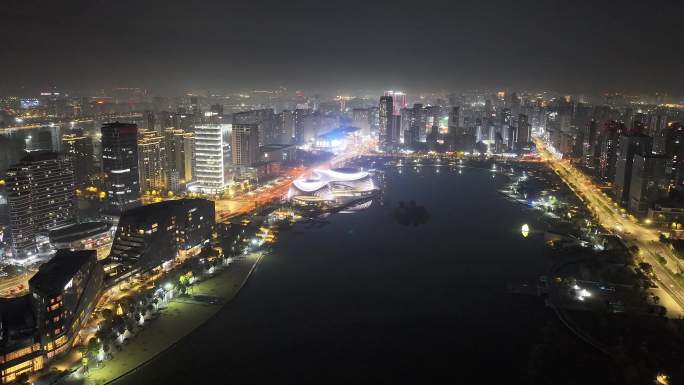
x,y
321,182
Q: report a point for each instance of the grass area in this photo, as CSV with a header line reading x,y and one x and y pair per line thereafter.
x,y
176,321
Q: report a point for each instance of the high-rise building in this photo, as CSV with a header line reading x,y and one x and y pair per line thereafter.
x,y
629,146
374,119
285,127
674,150
522,137
399,101
176,146
40,195
120,165
152,161
361,119
79,149
395,138
245,144
385,112
299,117
648,183
455,120
211,168
419,121
264,119
608,148
149,120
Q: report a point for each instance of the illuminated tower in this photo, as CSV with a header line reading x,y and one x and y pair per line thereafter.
x,y
385,112
40,194
152,161
120,165
245,144
79,149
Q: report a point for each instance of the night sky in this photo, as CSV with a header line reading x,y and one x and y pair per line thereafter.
x,y
173,46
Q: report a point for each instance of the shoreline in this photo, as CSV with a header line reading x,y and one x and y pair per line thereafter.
x,y
179,317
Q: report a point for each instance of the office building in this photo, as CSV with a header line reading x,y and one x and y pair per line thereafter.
x,y
245,144
385,112
399,101
361,119
299,117
674,150
40,195
264,119
78,148
648,183
211,167
455,120
523,132
120,166
20,348
151,161
629,146
608,149
64,292
147,236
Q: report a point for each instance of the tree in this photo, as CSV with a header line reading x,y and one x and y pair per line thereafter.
x,y
107,314
94,346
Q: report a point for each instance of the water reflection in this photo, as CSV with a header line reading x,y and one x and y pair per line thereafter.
x,y
410,214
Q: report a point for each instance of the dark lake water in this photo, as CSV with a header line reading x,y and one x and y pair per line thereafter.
x,y
365,299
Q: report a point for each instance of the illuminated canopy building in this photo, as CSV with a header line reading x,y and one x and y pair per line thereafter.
x,y
338,185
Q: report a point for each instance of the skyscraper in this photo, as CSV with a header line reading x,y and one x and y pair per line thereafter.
x,y
299,116
455,120
385,112
399,101
245,144
630,145
40,194
211,168
648,183
522,137
264,119
609,142
151,161
674,150
175,146
120,165
79,149
361,119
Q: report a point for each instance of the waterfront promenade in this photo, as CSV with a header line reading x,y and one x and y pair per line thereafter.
x,y
175,322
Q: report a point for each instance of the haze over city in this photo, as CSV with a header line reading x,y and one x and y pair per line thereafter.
x,y
171,47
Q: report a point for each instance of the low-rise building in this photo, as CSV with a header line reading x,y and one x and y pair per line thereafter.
x,y
65,291
151,235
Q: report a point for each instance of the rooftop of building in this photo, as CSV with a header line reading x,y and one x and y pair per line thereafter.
x,y
338,133
77,231
54,275
275,147
17,322
154,209
39,156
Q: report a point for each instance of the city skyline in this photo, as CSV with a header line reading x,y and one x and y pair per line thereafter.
x,y
353,192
